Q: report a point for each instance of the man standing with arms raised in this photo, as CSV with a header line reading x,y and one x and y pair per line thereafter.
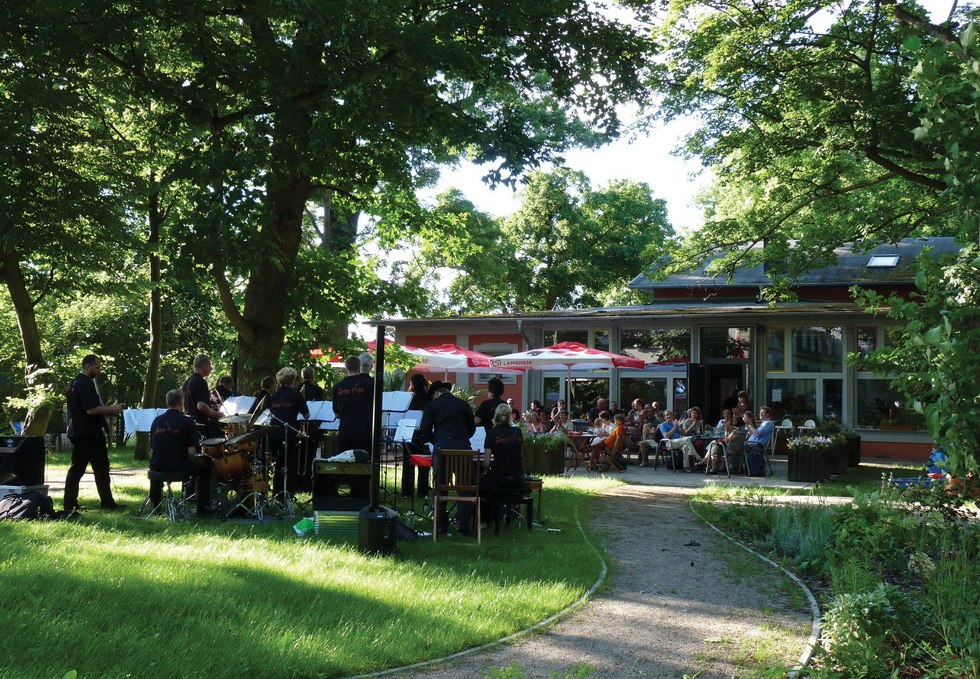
x,y
86,431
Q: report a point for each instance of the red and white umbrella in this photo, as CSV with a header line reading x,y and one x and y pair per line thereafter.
x,y
568,354
462,360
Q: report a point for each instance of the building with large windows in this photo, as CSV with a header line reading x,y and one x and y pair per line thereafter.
x,y
704,338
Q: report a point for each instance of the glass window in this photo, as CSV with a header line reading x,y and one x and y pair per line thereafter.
x,y
648,390
776,349
793,399
833,400
655,346
818,350
601,338
725,343
867,339
881,405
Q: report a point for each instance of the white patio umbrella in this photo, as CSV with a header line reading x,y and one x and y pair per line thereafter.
x,y
568,354
460,360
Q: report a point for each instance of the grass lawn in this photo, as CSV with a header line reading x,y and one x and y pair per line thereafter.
x,y
113,595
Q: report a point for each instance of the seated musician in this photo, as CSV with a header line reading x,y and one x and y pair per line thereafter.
x,y
504,443
261,401
174,440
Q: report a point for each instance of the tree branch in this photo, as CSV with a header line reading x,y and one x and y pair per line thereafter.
x,y
228,305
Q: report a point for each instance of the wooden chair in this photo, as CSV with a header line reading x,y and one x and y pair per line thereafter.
x,y
610,455
503,503
459,473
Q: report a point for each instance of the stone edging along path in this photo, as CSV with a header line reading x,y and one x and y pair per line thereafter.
x,y
672,607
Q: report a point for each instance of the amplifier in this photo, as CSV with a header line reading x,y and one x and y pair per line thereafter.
x,y
342,525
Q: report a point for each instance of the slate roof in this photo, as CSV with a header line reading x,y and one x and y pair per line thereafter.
x,y
851,269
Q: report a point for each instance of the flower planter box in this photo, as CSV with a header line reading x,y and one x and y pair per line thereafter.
x,y
805,465
837,459
896,426
853,451
543,457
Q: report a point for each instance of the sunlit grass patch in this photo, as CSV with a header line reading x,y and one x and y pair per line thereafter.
x,y
114,595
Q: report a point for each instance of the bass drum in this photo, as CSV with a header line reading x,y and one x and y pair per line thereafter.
x,y
253,483
231,466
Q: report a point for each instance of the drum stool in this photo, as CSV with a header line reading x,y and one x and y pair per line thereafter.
x,y
172,505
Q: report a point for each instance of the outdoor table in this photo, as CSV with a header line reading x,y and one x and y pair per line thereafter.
x,y
580,443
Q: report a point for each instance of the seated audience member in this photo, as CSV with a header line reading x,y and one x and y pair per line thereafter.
x,y
716,451
533,422
537,407
515,415
636,413
649,434
693,426
173,440
671,430
559,424
743,406
759,437
602,426
561,405
617,433
726,416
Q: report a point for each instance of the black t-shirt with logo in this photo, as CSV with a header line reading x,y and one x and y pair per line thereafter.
x,y
171,434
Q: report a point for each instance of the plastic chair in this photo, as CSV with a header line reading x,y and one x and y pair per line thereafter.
x,y
809,426
459,471
735,449
610,455
173,506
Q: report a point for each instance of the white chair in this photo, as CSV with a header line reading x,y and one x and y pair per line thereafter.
x,y
809,427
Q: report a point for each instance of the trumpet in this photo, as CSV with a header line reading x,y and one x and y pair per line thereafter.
x,y
216,400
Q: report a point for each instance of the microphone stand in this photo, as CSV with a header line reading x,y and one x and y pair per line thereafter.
x,y
284,501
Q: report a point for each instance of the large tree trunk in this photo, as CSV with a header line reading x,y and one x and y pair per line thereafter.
x,y
36,422
156,324
262,325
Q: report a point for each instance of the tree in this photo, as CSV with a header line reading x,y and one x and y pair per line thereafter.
x,y
940,355
288,100
567,245
807,110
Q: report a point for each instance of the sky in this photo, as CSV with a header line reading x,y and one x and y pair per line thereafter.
x,y
647,157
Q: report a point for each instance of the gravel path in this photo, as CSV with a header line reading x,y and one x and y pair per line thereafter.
x,y
682,600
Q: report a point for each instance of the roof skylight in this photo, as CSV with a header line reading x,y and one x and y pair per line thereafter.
x,y
883,261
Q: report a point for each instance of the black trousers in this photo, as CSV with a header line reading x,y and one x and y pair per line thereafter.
x,y
200,471
88,450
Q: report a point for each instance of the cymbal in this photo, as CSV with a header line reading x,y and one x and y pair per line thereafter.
x,y
234,419
248,436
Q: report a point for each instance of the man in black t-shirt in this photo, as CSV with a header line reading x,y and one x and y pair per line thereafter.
x,y
353,402
484,413
174,440
86,431
197,398
311,390
286,405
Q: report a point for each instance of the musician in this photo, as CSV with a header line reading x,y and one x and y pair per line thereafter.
x,y
286,405
174,440
261,397
484,414
310,389
353,403
225,387
447,421
197,398
86,431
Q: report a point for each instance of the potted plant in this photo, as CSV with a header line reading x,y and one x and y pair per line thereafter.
x,y
839,453
808,458
543,454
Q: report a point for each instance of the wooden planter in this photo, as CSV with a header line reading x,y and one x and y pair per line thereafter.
x,y
805,465
837,459
539,458
853,451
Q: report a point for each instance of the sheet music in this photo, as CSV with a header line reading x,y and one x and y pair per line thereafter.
x,y
140,419
264,418
477,440
330,426
236,405
321,411
396,401
406,430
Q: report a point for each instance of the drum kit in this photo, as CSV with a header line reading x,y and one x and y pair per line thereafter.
x,y
241,469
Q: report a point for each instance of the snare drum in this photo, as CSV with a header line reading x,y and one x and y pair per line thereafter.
x,y
214,448
233,465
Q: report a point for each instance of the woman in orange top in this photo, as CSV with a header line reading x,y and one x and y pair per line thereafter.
x,y
619,430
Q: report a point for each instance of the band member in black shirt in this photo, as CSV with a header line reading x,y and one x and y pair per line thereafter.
x,y
484,413
353,403
197,398
174,440
286,405
86,431
261,397
311,390
447,421
225,387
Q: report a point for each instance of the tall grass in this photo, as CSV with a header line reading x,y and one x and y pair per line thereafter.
x,y
112,595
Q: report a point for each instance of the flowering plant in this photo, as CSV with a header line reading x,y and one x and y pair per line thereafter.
x,y
811,444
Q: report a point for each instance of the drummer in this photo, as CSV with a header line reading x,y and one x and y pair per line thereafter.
x,y
286,405
197,398
173,439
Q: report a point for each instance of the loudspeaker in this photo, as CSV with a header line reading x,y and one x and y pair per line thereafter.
x,y
22,460
377,530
